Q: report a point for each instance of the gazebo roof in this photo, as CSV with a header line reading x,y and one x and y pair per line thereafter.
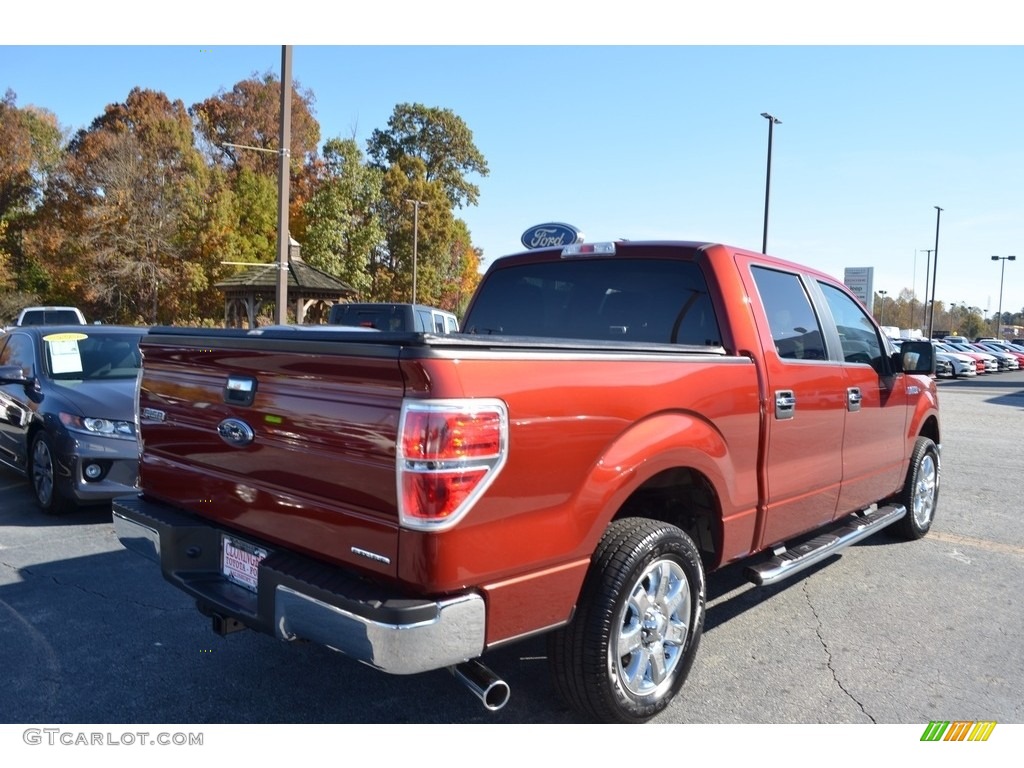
x,y
303,280
246,292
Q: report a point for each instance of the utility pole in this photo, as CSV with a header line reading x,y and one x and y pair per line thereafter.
x,y
283,179
415,239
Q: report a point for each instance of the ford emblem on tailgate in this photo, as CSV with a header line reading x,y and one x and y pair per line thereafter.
x,y
235,432
552,234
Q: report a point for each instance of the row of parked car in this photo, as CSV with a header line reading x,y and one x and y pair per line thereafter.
x,y
957,356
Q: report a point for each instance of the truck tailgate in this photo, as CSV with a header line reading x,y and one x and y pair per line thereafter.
x,y
286,441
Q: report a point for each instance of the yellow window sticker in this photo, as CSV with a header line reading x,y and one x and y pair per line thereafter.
x,y
64,354
74,336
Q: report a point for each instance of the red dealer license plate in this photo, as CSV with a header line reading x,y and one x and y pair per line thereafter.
x,y
240,562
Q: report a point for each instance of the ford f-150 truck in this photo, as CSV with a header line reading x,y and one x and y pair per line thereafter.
x,y
614,421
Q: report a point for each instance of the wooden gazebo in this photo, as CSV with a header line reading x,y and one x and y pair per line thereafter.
x,y
246,293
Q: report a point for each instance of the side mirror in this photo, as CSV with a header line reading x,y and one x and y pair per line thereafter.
x,y
13,374
916,357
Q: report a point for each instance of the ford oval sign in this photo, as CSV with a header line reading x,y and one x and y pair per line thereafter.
x,y
549,235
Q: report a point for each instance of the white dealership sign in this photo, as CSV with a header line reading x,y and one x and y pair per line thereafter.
x,y
861,280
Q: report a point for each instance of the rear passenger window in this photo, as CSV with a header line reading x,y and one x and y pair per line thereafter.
x,y
857,333
794,326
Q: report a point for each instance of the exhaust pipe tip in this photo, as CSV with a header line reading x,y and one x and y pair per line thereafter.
x,y
482,683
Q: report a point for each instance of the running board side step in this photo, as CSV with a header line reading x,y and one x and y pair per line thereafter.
x,y
859,526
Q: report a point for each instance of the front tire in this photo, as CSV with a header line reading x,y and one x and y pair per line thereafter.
x,y
920,494
631,644
43,473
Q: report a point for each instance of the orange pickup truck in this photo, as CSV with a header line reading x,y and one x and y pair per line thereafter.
x,y
614,421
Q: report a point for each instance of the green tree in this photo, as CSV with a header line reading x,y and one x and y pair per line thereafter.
x,y
344,229
427,253
441,140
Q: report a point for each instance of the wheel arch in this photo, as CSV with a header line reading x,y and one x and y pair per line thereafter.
x,y
673,467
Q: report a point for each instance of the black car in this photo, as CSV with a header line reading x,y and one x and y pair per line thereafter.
x,y
67,411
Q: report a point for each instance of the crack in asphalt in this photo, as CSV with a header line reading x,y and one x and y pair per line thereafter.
x,y
828,654
94,593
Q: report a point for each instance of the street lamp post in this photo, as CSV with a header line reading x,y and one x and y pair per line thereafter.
x,y
927,272
881,312
935,272
772,122
415,240
1002,272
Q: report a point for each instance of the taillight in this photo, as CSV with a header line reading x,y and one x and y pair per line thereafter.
x,y
449,452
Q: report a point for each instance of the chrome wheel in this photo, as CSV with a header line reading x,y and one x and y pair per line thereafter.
x,y
920,494
654,627
638,622
924,491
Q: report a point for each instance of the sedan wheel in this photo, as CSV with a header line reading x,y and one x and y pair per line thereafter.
x,y
44,476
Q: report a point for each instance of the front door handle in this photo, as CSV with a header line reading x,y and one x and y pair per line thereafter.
x,y
853,398
785,404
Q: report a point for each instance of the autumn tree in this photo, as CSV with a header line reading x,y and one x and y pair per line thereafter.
x,y
117,215
460,271
441,140
31,145
233,127
344,228
249,115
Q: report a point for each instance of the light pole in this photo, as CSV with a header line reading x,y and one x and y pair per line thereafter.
x,y
772,122
415,240
927,271
881,312
1002,271
935,272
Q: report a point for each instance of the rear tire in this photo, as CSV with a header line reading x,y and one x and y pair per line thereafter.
x,y
634,636
920,494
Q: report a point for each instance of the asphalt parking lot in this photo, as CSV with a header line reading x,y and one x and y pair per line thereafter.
x,y
888,632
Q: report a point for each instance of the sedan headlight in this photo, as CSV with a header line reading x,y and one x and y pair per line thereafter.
x,y
102,427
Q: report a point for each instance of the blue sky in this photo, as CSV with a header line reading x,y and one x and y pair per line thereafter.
x,y
659,141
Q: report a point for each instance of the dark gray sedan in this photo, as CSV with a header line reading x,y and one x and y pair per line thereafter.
x,y
67,411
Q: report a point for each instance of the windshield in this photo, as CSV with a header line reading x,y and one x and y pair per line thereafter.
x,y
92,356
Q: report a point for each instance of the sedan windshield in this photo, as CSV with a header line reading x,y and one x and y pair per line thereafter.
x,y
92,355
